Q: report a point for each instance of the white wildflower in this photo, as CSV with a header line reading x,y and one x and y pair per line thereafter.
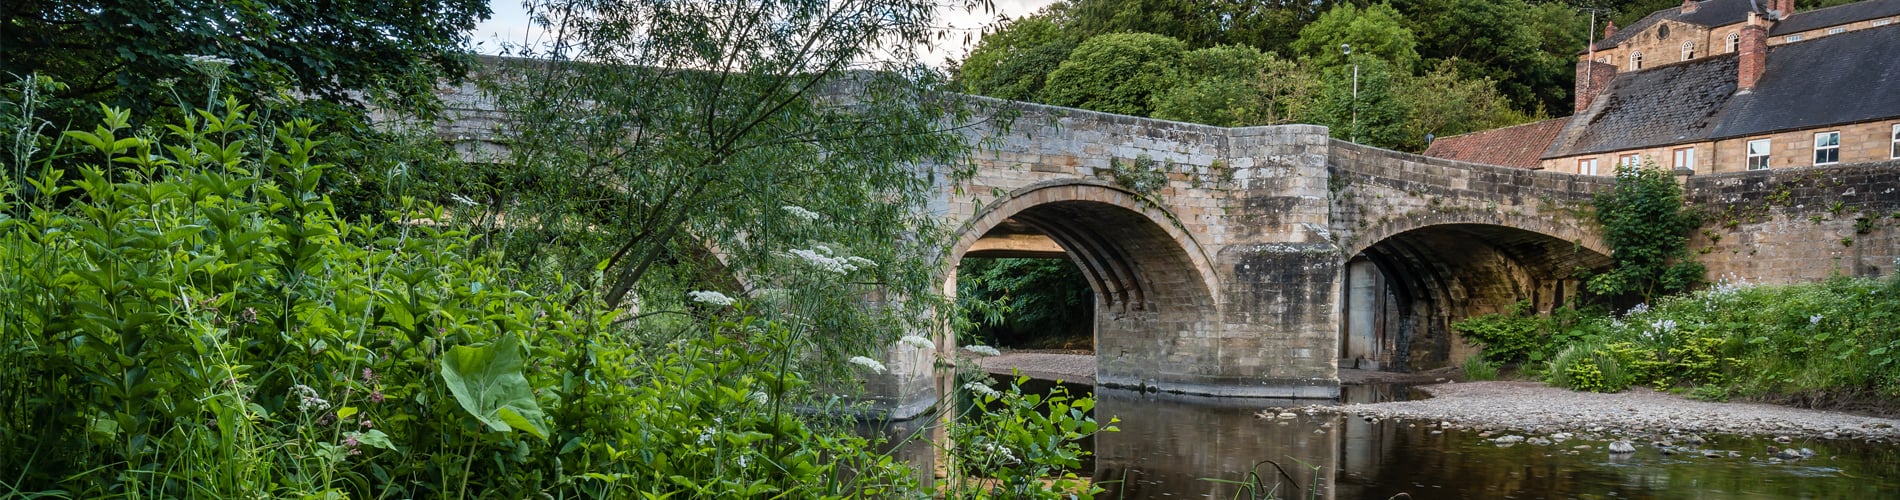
x,y
983,350
308,400
860,262
981,389
710,298
868,363
801,213
1814,320
742,461
464,200
836,265
705,436
918,342
1639,309
759,397
1663,326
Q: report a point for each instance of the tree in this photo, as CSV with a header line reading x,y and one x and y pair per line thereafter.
x,y
1528,51
1441,103
1013,62
1377,31
135,53
1236,86
1269,25
1376,115
1115,73
658,142
1647,230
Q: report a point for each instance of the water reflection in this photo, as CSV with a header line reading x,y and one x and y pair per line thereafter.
x,y
1186,447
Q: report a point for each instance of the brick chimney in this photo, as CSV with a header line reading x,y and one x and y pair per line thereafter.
x,y
1754,53
1688,6
1609,29
1786,7
1592,78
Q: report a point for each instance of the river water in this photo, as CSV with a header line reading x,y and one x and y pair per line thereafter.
x,y
1174,447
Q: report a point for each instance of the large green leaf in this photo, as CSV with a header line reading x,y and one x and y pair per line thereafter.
x,y
487,380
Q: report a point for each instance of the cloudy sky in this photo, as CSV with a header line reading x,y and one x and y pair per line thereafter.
x,y
510,26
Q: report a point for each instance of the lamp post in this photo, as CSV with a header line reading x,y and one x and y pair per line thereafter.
x,y
1346,48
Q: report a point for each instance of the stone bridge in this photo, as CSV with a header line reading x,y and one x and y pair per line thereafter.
x,y
1256,262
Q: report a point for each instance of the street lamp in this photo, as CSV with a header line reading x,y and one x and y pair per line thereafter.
x,y
1346,48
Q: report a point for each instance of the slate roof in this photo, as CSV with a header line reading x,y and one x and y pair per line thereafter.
x,y
1851,77
1667,104
1513,146
1836,79
1707,13
1837,15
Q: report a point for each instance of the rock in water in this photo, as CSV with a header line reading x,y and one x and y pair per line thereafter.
x,y
1621,447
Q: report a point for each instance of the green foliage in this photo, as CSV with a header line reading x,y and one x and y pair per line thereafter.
x,y
1236,86
1477,368
1374,114
828,153
1647,229
1023,446
1521,335
1377,31
135,54
1013,61
1115,73
1013,302
207,327
1441,102
1528,49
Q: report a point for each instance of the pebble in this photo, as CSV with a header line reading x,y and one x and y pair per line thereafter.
x,y
1622,447
1500,408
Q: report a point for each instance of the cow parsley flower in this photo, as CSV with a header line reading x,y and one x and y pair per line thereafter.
x,y
868,363
824,262
983,350
801,213
918,342
1639,309
981,389
710,298
307,398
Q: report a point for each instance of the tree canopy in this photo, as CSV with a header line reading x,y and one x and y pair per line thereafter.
x,y
136,53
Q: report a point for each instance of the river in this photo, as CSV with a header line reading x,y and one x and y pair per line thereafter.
x,y
1172,446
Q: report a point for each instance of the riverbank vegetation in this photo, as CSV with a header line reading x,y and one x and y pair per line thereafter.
x,y
674,285
1833,343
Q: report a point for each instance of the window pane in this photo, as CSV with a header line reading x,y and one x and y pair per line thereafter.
x,y
1756,148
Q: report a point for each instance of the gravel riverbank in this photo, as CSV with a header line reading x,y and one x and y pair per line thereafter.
x,y
1534,409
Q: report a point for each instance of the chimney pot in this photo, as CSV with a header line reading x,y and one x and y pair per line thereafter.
x,y
1609,29
1689,6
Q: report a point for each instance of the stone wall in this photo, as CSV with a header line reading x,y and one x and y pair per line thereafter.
x,y
1800,224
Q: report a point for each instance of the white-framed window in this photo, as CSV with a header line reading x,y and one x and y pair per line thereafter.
x,y
1882,22
1688,50
1685,158
1734,42
1793,38
1827,148
1589,166
1629,160
1896,141
1636,61
1836,31
1758,154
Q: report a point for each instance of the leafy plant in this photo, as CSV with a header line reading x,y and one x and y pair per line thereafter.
x,y
1017,302
1647,229
1478,368
1017,445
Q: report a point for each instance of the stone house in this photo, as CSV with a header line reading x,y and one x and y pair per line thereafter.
x,y
1721,86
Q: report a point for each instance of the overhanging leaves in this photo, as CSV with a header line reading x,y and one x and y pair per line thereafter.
x,y
487,381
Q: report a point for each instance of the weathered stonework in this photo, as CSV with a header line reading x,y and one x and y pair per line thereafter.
x,y
1270,255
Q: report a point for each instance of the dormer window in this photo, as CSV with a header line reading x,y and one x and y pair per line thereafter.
x,y
1688,50
1882,22
1636,61
1794,38
1734,42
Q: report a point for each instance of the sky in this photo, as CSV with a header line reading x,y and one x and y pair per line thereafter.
x,y
510,25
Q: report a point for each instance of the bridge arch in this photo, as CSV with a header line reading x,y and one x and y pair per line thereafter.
x,y
1407,282
1155,287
